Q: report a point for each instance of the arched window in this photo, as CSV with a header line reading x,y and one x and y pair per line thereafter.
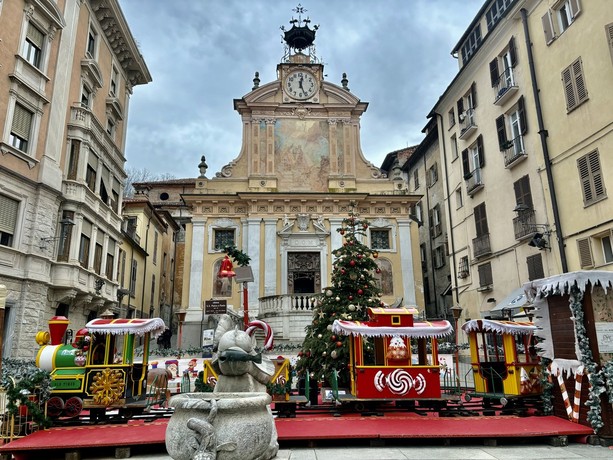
x,y
384,279
222,287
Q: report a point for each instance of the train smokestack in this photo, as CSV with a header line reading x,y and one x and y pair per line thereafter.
x,y
57,329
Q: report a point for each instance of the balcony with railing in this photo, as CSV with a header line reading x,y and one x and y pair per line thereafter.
x,y
474,181
287,315
524,224
481,245
468,123
505,88
514,152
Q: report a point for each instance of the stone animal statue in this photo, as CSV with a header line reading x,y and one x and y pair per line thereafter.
x,y
204,441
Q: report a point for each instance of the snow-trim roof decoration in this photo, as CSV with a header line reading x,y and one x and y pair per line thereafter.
x,y
127,326
560,284
419,330
501,327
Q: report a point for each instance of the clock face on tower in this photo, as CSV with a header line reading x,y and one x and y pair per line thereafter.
x,y
300,84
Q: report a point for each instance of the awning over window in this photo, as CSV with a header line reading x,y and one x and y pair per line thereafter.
x,y
515,299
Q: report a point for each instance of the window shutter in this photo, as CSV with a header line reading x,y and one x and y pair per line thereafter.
x,y
596,173
465,163
494,75
584,176
567,80
579,81
502,132
575,8
485,275
460,106
521,108
480,151
473,92
481,220
35,36
609,31
535,267
8,214
512,52
585,253
523,195
548,27
22,122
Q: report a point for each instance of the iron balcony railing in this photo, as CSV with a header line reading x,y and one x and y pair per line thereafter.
x,y
513,151
481,245
524,224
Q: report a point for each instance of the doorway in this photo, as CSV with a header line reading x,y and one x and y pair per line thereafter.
x,y
304,272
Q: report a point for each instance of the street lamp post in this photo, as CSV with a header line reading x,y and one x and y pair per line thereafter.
x,y
457,312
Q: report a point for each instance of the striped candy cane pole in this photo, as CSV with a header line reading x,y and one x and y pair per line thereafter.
x,y
257,324
567,406
577,400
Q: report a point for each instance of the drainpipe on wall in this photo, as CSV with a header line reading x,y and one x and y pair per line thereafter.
x,y
543,135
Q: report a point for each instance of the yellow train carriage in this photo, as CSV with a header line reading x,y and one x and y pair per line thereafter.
x,y
503,359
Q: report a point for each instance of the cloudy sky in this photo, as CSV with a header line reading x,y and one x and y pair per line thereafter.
x,y
202,54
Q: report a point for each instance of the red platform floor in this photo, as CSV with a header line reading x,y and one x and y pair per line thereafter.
x,y
310,428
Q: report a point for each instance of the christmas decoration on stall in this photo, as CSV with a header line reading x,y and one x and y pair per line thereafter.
x,y
596,378
354,288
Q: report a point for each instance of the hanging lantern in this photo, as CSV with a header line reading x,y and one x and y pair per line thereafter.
x,y
226,269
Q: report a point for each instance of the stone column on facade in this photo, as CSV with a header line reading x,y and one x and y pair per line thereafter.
x,y
251,245
92,247
270,145
406,261
336,239
73,251
333,146
105,248
270,256
197,266
255,146
348,148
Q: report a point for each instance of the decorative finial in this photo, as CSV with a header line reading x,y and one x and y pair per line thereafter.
x,y
256,81
202,166
344,81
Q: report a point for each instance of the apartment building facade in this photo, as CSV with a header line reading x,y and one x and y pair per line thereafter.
x,y
69,69
522,142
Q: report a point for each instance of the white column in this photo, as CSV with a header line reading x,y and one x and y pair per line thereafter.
x,y
336,239
406,261
197,264
270,256
251,245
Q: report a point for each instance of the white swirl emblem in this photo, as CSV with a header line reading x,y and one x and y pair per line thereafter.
x,y
400,382
379,381
420,384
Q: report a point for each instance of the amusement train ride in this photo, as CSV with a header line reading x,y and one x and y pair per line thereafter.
x,y
394,363
98,371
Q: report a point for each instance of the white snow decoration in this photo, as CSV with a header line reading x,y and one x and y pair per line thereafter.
x,y
418,330
121,326
566,367
499,326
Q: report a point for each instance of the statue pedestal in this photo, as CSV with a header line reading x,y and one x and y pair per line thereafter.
x,y
225,426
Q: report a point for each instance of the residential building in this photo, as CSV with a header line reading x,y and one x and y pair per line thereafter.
x,y
68,71
425,176
522,142
146,261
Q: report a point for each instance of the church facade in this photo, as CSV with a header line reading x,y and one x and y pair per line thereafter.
x,y
300,171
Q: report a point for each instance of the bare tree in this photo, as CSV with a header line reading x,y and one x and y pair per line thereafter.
x,y
135,175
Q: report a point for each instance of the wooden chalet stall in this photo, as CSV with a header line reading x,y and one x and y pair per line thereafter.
x,y
392,356
574,316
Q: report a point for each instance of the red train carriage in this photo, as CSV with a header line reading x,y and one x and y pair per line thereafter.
x,y
98,371
393,357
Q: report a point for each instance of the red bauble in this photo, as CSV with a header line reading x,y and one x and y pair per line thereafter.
x,y
350,297
365,226
339,344
352,263
300,354
351,243
333,338
343,271
360,292
360,256
308,353
342,232
378,270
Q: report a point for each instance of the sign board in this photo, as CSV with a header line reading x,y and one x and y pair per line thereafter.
x,y
215,307
604,335
207,337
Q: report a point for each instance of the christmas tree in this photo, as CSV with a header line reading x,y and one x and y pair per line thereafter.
x,y
353,290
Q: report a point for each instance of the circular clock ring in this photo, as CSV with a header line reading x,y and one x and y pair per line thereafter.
x,y
300,84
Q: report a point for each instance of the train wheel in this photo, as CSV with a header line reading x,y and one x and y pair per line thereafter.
x,y
73,406
55,406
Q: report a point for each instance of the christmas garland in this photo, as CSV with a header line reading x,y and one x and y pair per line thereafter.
x,y
597,384
547,386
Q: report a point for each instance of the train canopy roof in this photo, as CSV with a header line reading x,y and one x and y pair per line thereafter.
x,y
499,326
127,326
419,330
